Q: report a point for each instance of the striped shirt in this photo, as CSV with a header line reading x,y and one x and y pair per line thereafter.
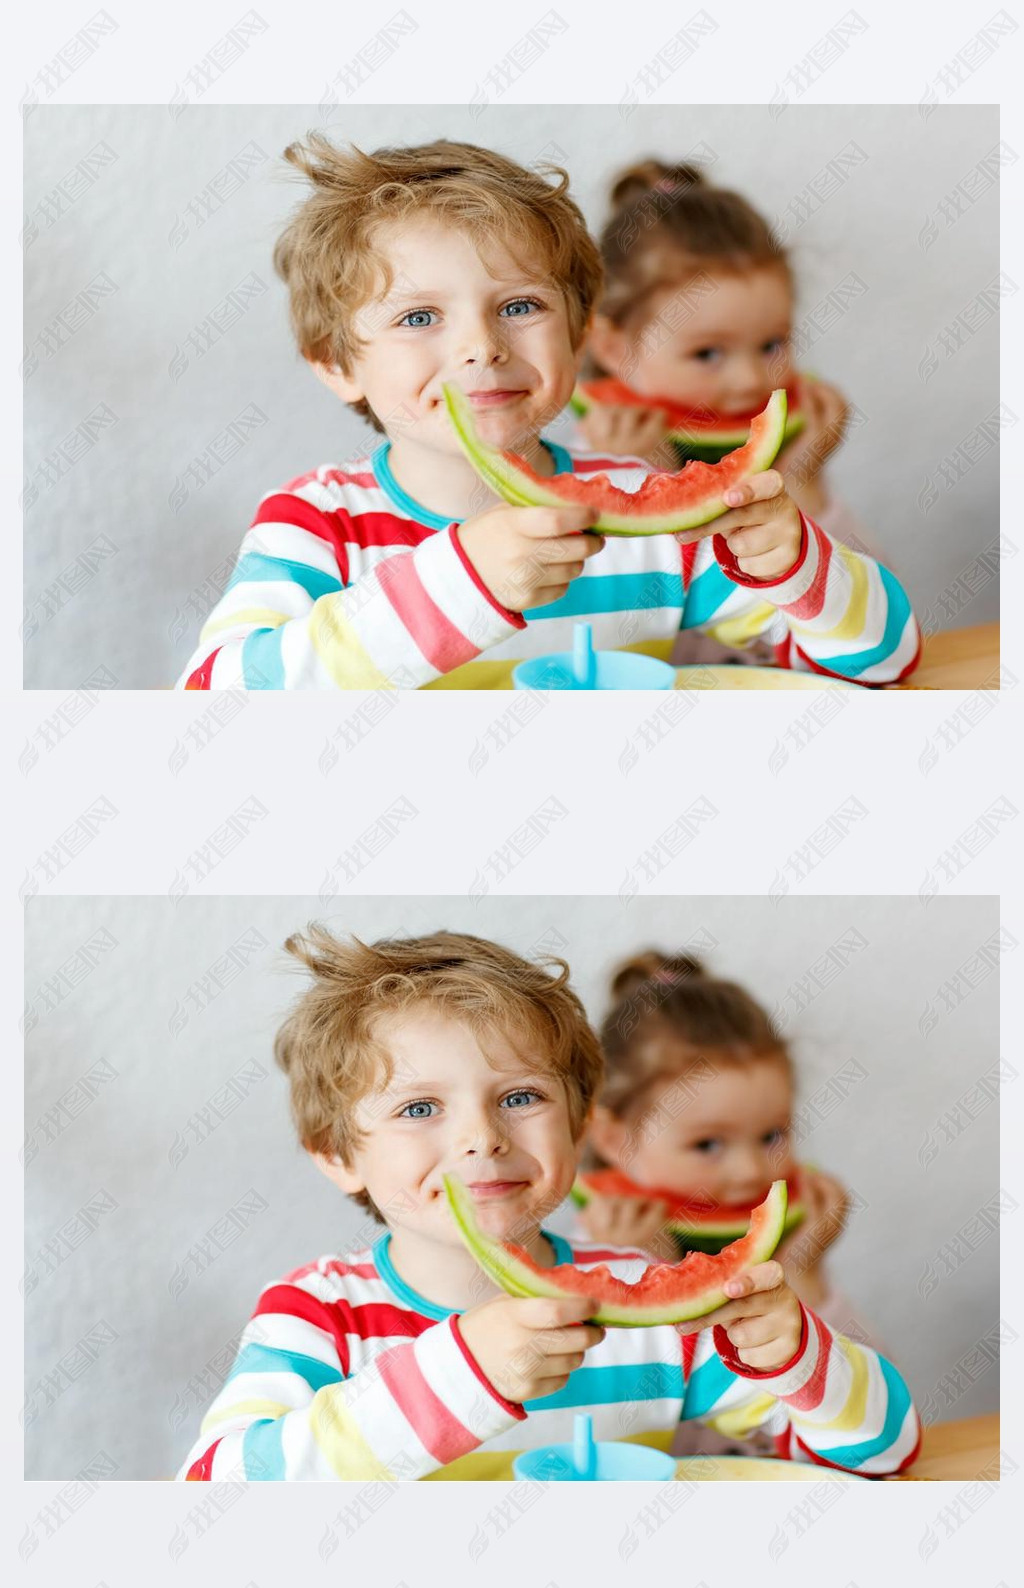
x,y
345,1372
345,582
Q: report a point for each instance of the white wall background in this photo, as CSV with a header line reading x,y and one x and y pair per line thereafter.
x,y
162,1009
133,603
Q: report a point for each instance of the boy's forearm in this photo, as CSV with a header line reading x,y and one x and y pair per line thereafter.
x,y
847,1406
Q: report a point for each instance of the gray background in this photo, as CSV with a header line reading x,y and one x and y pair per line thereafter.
x,y
135,605
162,1009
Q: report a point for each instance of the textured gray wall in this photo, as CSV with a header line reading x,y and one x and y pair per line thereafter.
x,y
164,395
164,1188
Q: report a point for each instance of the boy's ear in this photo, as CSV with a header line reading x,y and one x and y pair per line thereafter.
x,y
608,1135
609,345
343,1177
335,379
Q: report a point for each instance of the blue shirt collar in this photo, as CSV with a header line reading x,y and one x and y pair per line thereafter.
x,y
417,1303
382,472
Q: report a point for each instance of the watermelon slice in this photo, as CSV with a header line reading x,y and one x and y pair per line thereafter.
x,y
695,433
665,504
696,1226
665,1293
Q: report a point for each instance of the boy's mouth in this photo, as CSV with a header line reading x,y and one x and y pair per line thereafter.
x,y
493,399
491,1190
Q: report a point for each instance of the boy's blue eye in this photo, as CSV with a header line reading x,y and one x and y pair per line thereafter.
x,y
417,318
521,1099
417,1111
521,307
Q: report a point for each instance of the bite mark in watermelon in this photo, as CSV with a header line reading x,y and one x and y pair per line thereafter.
x,y
665,504
665,1292
695,433
697,1226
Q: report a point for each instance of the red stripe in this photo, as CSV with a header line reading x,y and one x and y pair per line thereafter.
x,y
331,476
375,1320
810,1395
689,558
811,602
689,1351
296,1303
438,1429
202,677
512,1407
443,645
201,1470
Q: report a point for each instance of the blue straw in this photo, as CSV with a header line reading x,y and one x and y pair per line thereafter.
x,y
584,662
584,1451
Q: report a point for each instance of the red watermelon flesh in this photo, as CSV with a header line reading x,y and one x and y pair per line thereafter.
x,y
664,503
664,1293
703,431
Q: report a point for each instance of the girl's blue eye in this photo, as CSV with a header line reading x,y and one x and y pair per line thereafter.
x,y
707,1146
706,354
514,311
417,1111
417,318
521,1099
776,1135
776,346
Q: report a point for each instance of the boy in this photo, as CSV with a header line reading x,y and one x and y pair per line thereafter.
x,y
412,267
408,1060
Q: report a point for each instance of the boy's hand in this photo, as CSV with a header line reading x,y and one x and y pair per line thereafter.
x,y
527,1348
630,1221
764,1322
629,431
763,529
528,556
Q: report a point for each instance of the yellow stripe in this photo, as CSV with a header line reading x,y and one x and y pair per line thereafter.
x,y
852,1414
342,652
256,1408
738,1421
261,617
743,628
852,622
338,1435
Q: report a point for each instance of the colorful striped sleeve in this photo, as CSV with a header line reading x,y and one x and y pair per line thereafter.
x,y
290,1410
836,1403
291,619
844,614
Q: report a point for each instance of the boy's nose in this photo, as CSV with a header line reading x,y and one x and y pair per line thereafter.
x,y
483,344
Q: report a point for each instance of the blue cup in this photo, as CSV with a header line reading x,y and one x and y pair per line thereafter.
x,y
611,1460
612,670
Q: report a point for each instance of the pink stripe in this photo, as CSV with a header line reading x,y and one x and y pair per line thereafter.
x,y
438,1429
813,599
440,641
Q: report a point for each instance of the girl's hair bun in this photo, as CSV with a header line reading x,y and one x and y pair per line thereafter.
x,y
649,176
651,965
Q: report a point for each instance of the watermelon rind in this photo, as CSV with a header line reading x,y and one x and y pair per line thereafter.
x,y
703,1233
502,474
521,1280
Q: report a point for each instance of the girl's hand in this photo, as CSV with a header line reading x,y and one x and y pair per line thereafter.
x,y
630,1221
828,1204
629,432
764,1321
763,529
826,411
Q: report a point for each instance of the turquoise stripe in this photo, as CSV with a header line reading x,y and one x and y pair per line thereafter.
x,y
614,592
895,1413
254,1358
610,1386
895,622
706,1387
262,667
708,592
254,567
263,1451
